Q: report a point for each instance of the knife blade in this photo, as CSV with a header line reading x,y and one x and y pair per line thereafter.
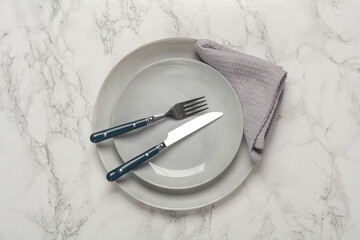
x,y
173,136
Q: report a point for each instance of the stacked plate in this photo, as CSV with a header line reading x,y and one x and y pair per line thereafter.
x,y
198,170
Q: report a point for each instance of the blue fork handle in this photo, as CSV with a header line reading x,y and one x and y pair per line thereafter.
x,y
114,131
133,163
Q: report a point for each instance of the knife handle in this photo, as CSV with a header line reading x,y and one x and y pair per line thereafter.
x,y
120,129
133,163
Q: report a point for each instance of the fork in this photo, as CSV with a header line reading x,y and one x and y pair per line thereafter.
x,y
178,112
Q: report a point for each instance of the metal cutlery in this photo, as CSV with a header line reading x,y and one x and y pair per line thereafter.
x,y
178,111
172,137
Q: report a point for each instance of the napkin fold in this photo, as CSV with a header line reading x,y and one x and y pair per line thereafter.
x,y
259,85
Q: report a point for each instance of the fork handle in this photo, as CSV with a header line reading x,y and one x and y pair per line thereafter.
x,y
120,129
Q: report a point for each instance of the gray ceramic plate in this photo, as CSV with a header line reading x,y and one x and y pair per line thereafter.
x,y
198,158
151,195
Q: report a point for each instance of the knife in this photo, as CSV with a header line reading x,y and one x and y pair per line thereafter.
x,y
172,137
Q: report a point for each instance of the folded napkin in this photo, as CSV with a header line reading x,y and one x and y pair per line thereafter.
x,y
259,85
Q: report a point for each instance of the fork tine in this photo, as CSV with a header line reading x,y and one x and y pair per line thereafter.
x,y
194,108
191,100
190,105
192,113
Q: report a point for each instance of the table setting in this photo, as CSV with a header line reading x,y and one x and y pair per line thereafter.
x,y
179,120
191,166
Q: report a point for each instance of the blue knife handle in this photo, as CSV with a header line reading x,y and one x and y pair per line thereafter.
x,y
114,131
133,163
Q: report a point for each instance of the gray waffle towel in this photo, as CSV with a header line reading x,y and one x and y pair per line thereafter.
x,y
259,85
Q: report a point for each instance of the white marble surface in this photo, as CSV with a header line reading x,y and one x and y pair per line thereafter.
x,y
54,56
